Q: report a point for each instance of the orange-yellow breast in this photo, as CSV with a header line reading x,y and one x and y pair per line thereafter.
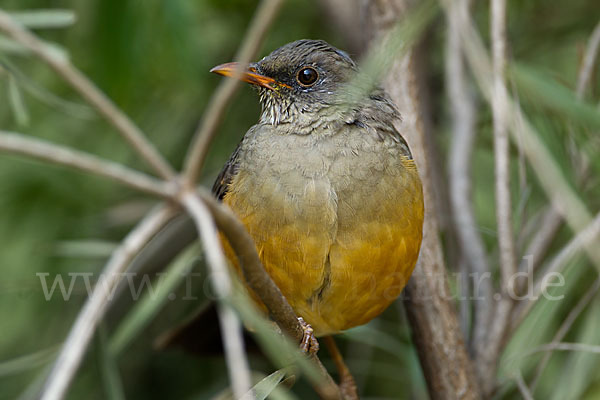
x,y
339,232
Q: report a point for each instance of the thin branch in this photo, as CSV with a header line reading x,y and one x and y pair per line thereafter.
x,y
90,92
586,237
207,129
83,329
489,353
19,144
583,347
461,150
523,386
231,327
587,67
551,221
564,328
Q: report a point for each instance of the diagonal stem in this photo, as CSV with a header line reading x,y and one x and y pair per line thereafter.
x,y
231,328
15,143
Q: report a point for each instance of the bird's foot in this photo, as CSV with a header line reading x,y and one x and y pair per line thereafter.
x,y
309,343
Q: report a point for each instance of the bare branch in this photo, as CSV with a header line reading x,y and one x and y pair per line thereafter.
x,y
207,129
583,347
15,143
587,67
564,328
585,238
231,328
91,93
83,329
463,140
499,100
436,332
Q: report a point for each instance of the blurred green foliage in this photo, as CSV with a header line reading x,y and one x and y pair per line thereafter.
x,y
152,59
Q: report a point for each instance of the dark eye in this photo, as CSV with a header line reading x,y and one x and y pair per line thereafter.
x,y
307,76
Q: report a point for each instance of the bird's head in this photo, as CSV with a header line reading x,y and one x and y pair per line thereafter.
x,y
298,83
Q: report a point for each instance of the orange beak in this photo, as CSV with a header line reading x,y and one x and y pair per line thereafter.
x,y
248,74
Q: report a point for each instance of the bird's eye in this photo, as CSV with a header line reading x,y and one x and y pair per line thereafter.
x,y
307,76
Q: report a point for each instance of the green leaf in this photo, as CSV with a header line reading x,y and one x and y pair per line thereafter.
x,y
43,95
542,88
376,338
264,388
10,46
36,19
85,248
27,362
17,102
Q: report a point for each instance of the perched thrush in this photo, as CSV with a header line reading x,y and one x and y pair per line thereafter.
x,y
326,187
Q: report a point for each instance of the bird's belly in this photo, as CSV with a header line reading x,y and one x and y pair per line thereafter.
x,y
340,246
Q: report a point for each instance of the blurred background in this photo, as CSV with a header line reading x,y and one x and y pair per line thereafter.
x,y
152,59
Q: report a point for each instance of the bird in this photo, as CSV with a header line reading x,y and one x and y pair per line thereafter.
x,y
325,185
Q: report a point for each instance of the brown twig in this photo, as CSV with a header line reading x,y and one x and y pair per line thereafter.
x,y
207,129
14,143
347,384
231,328
436,332
83,329
91,93
463,121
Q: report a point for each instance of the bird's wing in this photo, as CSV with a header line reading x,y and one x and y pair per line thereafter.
x,y
221,185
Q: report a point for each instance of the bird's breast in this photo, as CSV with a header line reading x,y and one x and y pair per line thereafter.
x,y
336,221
